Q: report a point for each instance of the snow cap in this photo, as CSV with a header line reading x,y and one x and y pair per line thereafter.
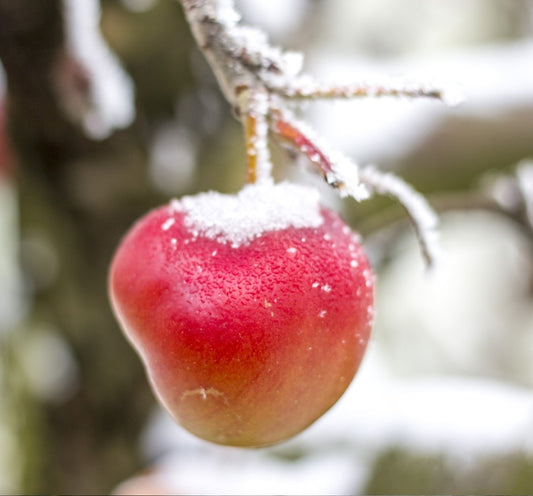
x,y
257,208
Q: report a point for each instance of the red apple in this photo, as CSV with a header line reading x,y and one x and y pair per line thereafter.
x,y
251,313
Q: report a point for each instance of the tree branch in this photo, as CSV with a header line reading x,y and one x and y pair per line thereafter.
x,y
261,81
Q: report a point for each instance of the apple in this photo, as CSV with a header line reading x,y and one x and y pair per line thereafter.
x,y
251,312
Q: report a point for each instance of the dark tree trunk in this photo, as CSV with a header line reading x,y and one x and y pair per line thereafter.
x,y
77,197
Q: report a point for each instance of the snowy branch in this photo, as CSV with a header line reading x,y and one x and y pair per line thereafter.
x,y
424,220
240,56
261,81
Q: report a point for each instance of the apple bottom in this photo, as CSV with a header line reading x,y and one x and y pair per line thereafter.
x,y
253,396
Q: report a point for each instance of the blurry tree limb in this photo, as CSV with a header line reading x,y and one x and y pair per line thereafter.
x,y
76,195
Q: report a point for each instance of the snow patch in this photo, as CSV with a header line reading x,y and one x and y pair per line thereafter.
x,y
256,209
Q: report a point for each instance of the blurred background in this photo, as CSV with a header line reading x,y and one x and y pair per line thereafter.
x,y
107,109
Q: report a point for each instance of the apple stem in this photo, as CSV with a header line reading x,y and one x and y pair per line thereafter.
x,y
250,136
253,108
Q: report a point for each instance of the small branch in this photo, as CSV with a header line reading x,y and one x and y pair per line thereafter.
x,y
507,196
344,175
337,169
260,80
250,136
240,56
422,216
309,90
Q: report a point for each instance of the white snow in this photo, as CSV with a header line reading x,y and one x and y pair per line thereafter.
x,y
454,416
227,14
470,315
257,208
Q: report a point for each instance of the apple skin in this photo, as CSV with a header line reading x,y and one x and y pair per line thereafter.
x,y
244,346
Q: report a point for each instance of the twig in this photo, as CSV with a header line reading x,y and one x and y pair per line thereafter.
x,y
422,216
260,80
351,180
309,90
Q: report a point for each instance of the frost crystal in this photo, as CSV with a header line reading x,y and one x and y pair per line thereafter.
x,y
257,208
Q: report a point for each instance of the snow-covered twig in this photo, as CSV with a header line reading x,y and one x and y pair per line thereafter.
x,y
240,56
260,80
422,216
305,89
359,183
338,170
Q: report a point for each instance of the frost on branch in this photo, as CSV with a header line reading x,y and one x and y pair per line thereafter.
x,y
359,183
240,56
424,220
262,82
